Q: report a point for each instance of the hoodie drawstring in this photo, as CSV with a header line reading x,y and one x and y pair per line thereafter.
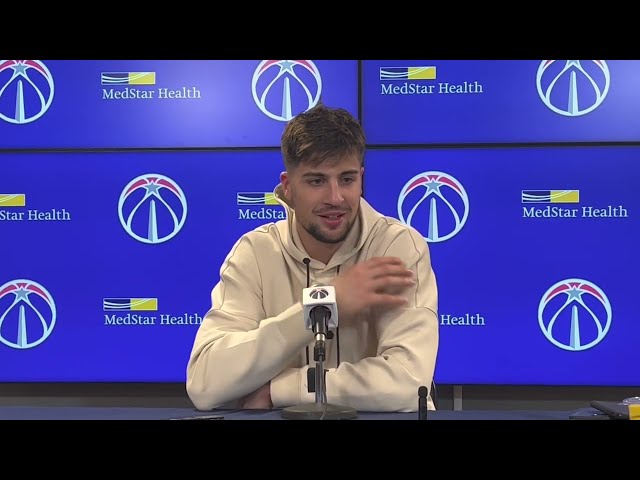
x,y
338,332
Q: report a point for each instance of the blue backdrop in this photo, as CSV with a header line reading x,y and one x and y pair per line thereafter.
x,y
496,253
110,254
507,101
125,309
165,103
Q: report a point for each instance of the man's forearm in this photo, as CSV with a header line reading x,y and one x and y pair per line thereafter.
x,y
227,364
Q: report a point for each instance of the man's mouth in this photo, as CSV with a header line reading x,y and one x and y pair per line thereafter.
x,y
332,215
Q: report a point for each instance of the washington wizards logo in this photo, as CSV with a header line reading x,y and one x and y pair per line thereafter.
x,y
284,88
26,90
434,203
152,208
318,293
573,88
27,314
574,314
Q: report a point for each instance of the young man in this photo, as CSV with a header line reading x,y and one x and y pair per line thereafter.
x,y
251,348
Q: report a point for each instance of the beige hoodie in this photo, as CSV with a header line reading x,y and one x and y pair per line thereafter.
x,y
254,331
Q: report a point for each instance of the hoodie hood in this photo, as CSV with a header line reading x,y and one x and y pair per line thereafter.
x,y
356,238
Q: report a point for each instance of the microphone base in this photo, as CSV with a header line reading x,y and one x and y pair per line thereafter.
x,y
319,411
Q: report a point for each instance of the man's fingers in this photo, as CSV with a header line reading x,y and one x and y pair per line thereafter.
x,y
395,289
388,300
383,284
390,270
376,261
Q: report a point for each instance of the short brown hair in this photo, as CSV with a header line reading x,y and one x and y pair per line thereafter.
x,y
319,133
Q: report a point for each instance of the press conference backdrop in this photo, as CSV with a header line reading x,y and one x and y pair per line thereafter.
x,y
110,257
507,101
533,249
163,103
115,256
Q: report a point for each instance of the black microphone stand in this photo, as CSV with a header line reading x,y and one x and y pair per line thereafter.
x,y
423,395
320,410
318,356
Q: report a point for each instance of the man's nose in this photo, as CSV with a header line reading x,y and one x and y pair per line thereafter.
x,y
335,193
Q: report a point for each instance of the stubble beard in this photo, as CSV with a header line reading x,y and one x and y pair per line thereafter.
x,y
316,232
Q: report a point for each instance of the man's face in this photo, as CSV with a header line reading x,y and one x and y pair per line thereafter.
x,y
326,197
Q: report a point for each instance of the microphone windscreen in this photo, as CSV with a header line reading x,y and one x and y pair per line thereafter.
x,y
422,391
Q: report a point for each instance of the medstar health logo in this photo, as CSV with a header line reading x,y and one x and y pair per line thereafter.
x,y
573,87
434,203
152,208
574,314
284,88
27,314
26,90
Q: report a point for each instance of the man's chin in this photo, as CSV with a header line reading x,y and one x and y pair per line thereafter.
x,y
331,237
334,240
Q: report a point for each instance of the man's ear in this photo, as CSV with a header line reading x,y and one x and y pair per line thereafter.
x,y
286,185
361,179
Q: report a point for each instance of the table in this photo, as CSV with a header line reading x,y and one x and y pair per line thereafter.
x,y
155,413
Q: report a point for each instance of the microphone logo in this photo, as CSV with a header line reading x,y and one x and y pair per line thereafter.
x,y
319,293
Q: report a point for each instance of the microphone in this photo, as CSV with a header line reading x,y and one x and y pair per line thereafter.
x,y
423,392
307,261
320,310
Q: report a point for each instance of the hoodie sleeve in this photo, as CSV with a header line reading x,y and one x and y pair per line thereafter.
x,y
237,349
406,352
